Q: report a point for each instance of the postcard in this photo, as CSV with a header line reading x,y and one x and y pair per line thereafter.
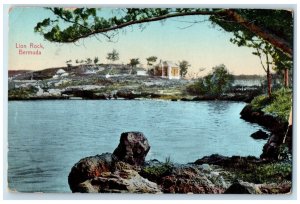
x,y
150,100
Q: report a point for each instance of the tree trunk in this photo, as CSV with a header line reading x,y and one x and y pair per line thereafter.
x,y
286,78
269,81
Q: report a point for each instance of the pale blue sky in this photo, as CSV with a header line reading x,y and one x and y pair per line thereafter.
x,y
201,44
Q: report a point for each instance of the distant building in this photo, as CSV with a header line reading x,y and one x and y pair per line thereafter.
x,y
167,69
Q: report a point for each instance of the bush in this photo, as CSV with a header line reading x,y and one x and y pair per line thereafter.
x,y
281,104
265,173
22,92
215,83
278,105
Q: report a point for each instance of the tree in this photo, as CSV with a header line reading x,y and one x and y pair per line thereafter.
x,y
266,52
151,60
219,81
96,60
69,63
282,65
133,62
183,66
113,56
273,25
88,61
215,83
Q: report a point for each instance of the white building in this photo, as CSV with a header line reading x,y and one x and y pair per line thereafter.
x,y
167,69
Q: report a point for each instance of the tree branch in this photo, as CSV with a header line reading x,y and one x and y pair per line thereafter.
x,y
158,18
276,41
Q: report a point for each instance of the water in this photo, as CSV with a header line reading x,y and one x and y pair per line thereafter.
x,y
46,138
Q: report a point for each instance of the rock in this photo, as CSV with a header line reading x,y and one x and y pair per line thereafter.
x,y
231,162
189,179
259,135
277,128
241,187
206,167
133,148
123,181
275,188
89,168
125,94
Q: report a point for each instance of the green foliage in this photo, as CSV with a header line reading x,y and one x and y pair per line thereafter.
x,y
88,60
273,172
267,173
183,66
151,60
284,153
215,83
113,56
85,22
259,102
22,92
134,61
159,170
279,104
96,60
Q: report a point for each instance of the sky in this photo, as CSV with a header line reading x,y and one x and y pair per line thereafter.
x,y
202,45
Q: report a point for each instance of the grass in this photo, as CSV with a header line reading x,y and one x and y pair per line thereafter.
x,y
278,105
157,171
265,173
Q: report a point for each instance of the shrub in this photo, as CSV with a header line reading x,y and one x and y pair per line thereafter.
x,y
278,105
215,83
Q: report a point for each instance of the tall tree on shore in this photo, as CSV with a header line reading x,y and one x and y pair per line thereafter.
x,y
96,60
151,60
183,67
133,63
268,55
112,56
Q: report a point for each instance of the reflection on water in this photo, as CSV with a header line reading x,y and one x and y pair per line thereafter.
x,y
47,137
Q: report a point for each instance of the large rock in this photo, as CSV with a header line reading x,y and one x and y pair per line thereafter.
x,y
123,181
259,135
88,168
196,179
241,187
133,148
191,179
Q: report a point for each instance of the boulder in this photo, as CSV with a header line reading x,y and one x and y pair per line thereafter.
x,y
126,94
240,187
133,148
123,181
88,168
259,135
189,179
276,188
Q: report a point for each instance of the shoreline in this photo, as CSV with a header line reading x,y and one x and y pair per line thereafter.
x,y
149,96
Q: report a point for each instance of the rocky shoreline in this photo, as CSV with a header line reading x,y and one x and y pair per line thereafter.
x,y
279,130
131,95
126,171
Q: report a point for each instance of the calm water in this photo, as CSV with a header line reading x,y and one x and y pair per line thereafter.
x,y
47,137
